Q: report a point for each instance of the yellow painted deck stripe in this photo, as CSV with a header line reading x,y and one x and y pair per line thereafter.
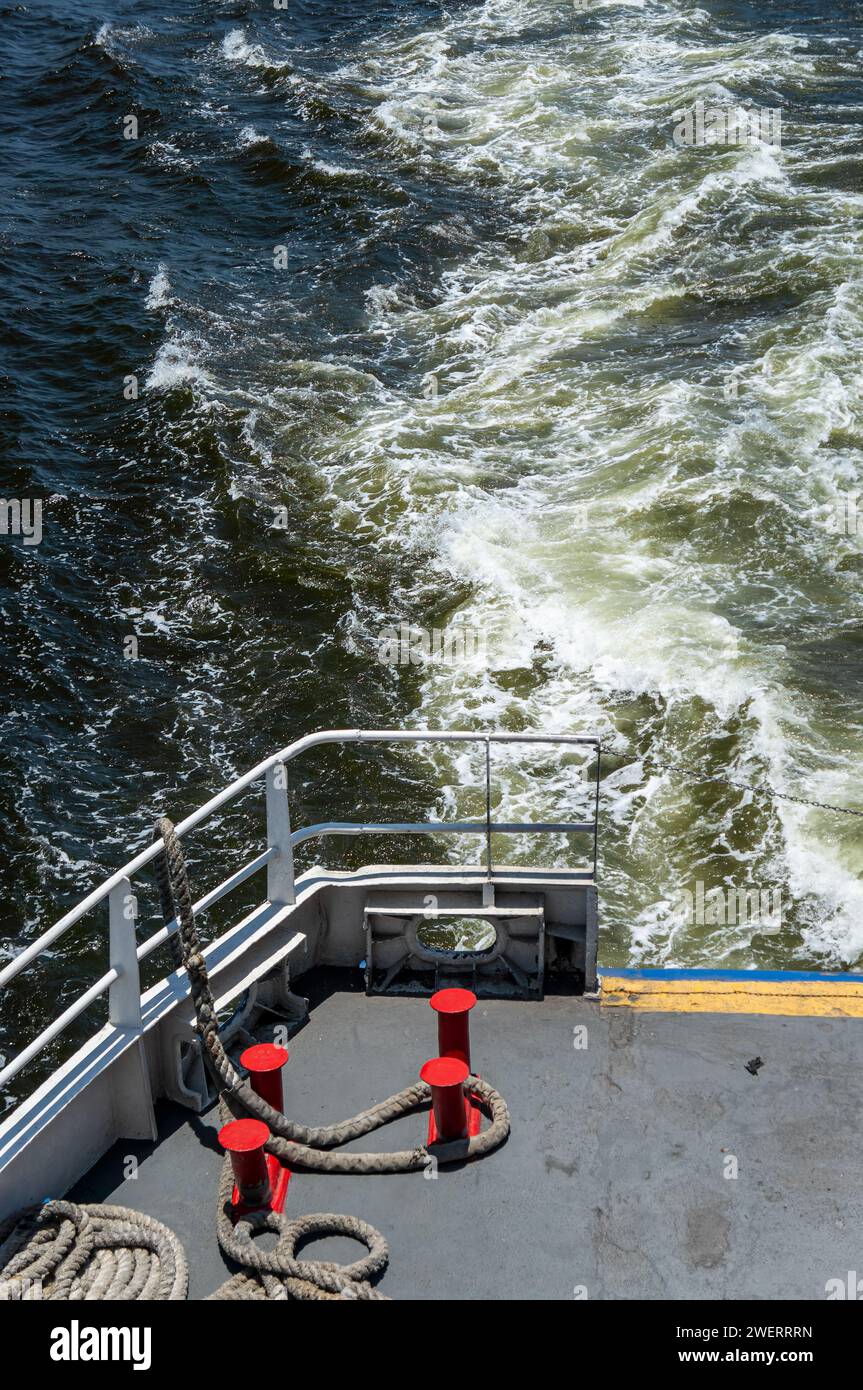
x,y
794,998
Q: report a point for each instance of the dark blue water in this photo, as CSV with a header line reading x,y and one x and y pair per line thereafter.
x,y
147,526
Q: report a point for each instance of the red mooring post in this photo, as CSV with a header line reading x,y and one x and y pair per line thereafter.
x,y
244,1140
453,1007
264,1062
446,1076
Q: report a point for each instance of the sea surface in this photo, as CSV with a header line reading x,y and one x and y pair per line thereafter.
x,y
405,313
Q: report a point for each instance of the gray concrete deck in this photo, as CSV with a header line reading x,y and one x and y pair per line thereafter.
x,y
612,1178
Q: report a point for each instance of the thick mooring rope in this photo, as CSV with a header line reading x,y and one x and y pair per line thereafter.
x,y
277,1273
63,1251
297,1146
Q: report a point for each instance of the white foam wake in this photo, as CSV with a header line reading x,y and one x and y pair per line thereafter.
x,y
593,492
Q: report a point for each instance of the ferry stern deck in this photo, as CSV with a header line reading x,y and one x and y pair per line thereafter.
x,y
674,1139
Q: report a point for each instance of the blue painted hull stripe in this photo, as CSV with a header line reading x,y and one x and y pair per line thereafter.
x,y
775,975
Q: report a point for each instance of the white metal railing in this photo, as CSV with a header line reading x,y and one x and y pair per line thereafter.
x,y
122,980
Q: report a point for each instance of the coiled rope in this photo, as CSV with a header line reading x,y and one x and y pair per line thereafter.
x,y
63,1251
277,1273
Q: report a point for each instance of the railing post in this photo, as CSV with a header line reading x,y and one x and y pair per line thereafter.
x,y
280,870
124,995
132,1094
488,808
596,809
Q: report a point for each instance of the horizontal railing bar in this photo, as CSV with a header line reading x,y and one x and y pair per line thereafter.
x,y
440,827
293,750
50,1033
209,900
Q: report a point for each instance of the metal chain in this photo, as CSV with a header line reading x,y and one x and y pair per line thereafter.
x,y
764,788
824,805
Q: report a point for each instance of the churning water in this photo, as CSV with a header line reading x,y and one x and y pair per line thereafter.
x,y
398,313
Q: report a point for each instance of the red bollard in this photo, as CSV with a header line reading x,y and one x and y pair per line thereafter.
x,y
264,1064
244,1140
446,1076
453,1007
